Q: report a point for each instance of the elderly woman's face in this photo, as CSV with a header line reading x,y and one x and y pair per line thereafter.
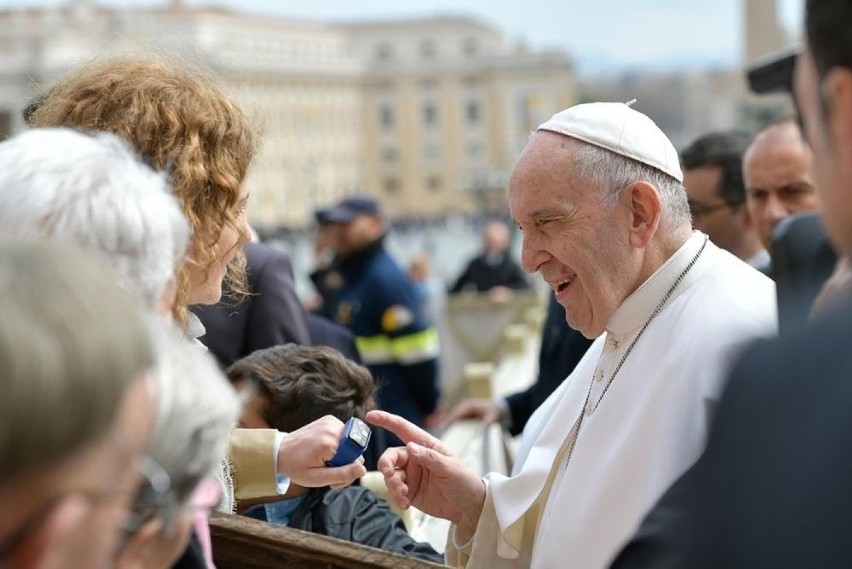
x,y
205,283
577,244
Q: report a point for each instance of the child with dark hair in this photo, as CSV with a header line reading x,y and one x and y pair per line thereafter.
x,y
290,386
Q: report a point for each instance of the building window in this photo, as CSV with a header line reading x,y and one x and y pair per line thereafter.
x,y
386,118
430,114
433,183
384,51
427,49
389,155
391,185
470,46
474,150
431,152
473,112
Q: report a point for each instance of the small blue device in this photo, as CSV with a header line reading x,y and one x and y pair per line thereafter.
x,y
353,443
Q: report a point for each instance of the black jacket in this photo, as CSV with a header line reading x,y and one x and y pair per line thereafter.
x,y
357,515
480,276
272,316
324,332
561,349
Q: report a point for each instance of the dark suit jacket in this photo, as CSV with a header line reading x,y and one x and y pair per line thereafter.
x,y
479,276
561,349
802,260
324,332
272,316
773,488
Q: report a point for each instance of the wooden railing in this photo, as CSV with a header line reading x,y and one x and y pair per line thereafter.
x,y
244,543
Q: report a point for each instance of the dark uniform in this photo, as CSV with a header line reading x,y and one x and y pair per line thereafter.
x,y
488,271
379,304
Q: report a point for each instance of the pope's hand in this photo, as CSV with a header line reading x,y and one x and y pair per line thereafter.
x,y
423,474
303,453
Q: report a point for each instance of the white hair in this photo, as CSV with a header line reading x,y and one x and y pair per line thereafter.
x,y
196,410
613,173
92,190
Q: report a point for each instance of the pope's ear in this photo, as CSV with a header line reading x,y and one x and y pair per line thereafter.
x,y
643,199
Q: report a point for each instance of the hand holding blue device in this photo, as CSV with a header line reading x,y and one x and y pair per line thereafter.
x,y
353,443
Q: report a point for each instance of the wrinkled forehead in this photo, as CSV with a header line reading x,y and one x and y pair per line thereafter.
x,y
546,156
546,166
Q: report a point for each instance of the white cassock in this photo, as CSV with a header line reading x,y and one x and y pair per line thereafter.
x,y
638,439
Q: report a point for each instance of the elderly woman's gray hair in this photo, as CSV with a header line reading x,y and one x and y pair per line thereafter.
x,y
196,410
92,190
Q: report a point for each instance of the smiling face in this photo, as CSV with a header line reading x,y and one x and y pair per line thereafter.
x,y
580,246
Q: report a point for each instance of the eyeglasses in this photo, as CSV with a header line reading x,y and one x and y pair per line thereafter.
x,y
696,210
158,499
155,495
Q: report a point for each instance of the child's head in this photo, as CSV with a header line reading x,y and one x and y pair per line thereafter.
x,y
295,385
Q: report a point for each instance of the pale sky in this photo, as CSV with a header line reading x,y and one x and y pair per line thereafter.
x,y
600,34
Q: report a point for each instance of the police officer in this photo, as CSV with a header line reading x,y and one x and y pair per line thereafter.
x,y
378,303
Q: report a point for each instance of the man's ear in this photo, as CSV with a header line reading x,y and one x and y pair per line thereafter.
x,y
645,209
837,93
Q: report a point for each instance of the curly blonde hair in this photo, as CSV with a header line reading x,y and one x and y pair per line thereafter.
x,y
179,121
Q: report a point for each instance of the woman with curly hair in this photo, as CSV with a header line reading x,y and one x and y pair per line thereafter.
x,y
179,121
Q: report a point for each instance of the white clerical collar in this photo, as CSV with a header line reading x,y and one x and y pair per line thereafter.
x,y
636,308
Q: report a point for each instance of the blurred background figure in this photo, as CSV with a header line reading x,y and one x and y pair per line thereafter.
x,y
713,177
290,386
430,290
493,271
324,275
379,305
77,407
196,410
778,169
779,177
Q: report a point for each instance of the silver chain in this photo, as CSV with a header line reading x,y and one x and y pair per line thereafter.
x,y
629,349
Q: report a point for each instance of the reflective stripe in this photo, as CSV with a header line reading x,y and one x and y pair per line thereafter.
x,y
374,349
406,350
417,347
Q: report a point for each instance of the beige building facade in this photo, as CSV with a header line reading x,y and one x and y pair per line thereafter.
x,y
449,104
427,115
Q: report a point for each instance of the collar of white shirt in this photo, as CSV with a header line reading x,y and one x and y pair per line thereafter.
x,y
635,310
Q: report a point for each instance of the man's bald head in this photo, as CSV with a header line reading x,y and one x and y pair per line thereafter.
x,y
779,178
